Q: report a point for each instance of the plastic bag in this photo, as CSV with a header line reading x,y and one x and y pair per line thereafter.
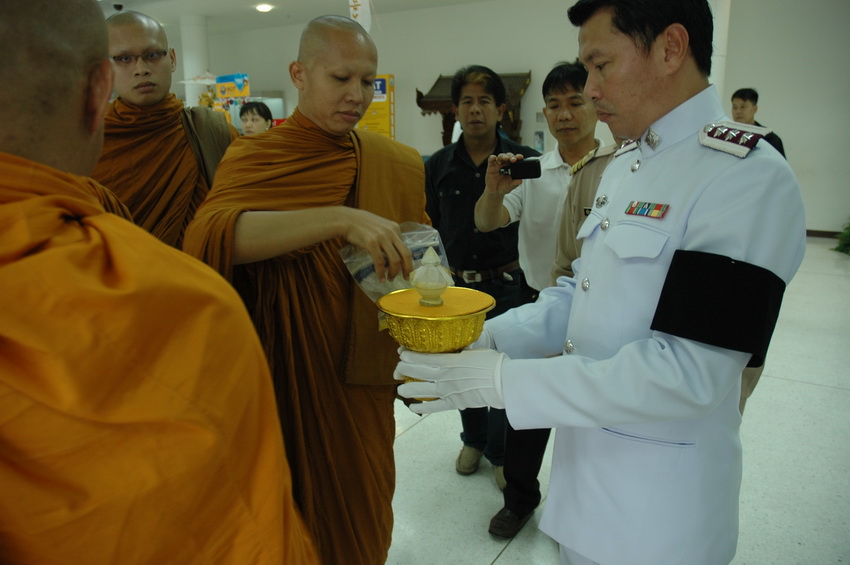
x,y
417,237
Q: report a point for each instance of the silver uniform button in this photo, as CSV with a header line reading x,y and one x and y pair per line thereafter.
x,y
569,347
605,224
585,284
636,166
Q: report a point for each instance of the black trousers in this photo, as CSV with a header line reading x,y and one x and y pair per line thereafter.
x,y
484,428
524,451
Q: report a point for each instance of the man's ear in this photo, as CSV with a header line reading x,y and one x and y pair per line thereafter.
x,y
454,109
296,74
501,110
675,43
98,90
172,56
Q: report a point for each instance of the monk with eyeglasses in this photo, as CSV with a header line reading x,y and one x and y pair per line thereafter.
x,y
158,157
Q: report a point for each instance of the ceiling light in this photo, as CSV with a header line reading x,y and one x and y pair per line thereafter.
x,y
264,7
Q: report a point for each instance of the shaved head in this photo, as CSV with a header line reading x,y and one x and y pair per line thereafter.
x,y
335,73
137,19
319,32
54,59
47,45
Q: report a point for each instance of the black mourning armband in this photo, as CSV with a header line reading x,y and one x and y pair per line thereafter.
x,y
720,301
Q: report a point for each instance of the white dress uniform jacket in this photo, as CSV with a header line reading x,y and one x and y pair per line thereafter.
x,y
647,461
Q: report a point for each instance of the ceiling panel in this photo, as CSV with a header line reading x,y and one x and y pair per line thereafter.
x,y
241,15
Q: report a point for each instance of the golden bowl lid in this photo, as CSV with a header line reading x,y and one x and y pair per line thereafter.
x,y
457,301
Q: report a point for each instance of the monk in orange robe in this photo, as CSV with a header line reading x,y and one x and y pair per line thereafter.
x,y
158,157
137,418
284,202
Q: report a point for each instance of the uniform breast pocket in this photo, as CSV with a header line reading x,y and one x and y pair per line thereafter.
x,y
636,241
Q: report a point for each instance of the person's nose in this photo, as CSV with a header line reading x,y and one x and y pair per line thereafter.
x,y
140,67
591,89
356,92
566,114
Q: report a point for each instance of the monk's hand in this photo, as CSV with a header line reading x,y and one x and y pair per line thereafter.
x,y
382,239
495,182
469,379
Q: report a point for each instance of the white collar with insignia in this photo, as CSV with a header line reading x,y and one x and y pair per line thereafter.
x,y
681,122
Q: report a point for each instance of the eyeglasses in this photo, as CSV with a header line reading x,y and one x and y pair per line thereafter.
x,y
150,57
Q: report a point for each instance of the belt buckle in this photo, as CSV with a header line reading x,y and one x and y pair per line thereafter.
x,y
470,277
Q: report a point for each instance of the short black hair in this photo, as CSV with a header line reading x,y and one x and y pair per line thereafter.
x,y
644,20
565,75
747,94
256,108
478,74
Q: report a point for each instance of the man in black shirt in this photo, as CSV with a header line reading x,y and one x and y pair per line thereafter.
x,y
489,262
745,104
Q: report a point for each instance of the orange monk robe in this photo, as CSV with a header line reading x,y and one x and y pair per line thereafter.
x,y
148,160
319,329
109,200
137,417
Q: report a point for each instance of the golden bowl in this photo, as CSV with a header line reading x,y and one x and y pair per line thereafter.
x,y
436,329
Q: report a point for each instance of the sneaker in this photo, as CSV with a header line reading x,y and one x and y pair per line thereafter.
x,y
506,524
499,472
467,460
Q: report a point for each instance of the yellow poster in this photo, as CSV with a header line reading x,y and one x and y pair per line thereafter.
x,y
231,86
380,116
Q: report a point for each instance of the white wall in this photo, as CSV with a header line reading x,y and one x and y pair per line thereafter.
x,y
794,53
418,46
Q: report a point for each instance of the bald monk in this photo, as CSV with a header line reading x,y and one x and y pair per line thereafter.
x,y
158,157
284,202
137,416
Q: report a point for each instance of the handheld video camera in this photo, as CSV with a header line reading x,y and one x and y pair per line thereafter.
x,y
522,169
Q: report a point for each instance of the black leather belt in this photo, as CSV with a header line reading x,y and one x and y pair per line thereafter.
x,y
483,275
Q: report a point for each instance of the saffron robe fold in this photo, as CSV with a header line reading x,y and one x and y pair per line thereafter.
x,y
137,422
110,202
150,159
332,368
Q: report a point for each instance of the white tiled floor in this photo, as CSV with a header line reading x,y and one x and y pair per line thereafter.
x,y
795,497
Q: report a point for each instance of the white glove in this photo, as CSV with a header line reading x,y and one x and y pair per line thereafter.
x,y
484,341
469,379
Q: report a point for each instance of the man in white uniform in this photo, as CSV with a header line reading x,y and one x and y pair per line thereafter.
x,y
536,204
695,232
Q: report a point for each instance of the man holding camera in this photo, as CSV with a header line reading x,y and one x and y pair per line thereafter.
x,y
537,202
454,180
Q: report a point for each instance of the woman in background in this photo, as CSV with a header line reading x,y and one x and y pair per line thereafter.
x,y
256,118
